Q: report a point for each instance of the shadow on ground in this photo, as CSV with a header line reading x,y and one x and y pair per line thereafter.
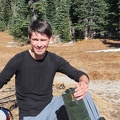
x,y
111,44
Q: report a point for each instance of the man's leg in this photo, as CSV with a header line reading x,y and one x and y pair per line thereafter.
x,y
59,110
55,110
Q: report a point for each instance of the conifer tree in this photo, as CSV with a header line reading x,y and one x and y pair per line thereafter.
x,y
58,16
119,19
18,24
113,18
51,14
2,23
63,21
38,9
88,15
5,13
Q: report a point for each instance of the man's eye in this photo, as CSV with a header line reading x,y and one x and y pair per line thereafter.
x,y
35,39
43,40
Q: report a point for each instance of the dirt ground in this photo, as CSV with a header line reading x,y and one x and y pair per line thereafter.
x,y
103,69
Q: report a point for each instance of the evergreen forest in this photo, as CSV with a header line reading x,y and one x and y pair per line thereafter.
x,y
70,19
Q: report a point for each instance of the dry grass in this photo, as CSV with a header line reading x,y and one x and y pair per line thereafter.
x,y
99,66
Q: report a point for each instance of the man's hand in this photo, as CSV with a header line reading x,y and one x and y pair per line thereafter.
x,y
81,87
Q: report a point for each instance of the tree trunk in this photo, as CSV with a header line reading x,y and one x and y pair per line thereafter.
x,y
86,33
86,29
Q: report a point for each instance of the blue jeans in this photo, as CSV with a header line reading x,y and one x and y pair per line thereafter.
x,y
55,110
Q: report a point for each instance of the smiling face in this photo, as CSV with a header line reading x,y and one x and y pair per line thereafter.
x,y
39,43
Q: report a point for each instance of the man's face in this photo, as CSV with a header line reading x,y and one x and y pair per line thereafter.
x,y
39,44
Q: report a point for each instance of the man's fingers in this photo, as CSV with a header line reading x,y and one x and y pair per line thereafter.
x,y
81,97
80,93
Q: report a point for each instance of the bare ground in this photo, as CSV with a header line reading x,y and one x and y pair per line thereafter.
x,y
102,68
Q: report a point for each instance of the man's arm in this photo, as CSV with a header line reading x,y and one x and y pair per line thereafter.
x,y
9,70
77,75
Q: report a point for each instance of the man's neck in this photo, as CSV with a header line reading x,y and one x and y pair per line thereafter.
x,y
35,56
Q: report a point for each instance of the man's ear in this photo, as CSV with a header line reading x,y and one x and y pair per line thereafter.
x,y
28,37
29,41
50,38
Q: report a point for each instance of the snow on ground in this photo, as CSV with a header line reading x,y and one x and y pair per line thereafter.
x,y
108,50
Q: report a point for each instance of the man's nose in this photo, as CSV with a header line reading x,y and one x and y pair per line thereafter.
x,y
39,43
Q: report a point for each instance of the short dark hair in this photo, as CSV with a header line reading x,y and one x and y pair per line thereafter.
x,y
40,26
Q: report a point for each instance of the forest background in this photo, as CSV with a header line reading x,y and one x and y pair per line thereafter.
x,y
70,19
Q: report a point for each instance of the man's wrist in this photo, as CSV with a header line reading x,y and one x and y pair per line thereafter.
x,y
84,81
84,78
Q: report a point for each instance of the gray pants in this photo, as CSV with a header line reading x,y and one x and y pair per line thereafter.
x,y
55,110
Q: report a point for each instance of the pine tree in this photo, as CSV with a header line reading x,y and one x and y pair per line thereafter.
x,y
88,15
119,19
51,14
5,14
38,9
2,23
113,18
63,22
18,24
58,16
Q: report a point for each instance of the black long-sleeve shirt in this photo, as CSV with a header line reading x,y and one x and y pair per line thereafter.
x,y
34,79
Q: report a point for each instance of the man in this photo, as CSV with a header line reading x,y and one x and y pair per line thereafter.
x,y
35,70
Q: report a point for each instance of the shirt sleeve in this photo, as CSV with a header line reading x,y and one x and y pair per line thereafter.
x,y
9,70
65,68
